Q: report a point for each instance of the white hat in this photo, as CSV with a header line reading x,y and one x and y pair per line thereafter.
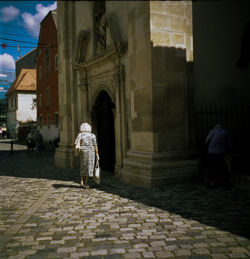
x,y
85,127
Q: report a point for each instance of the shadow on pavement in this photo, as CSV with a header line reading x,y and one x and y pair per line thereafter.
x,y
56,186
225,209
32,165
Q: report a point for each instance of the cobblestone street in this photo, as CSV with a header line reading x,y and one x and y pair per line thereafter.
x,y
45,214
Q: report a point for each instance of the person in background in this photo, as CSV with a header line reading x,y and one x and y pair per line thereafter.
x,y
218,142
38,142
56,141
88,152
30,142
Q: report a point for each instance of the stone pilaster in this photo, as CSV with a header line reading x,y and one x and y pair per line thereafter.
x,y
64,156
82,96
120,123
158,58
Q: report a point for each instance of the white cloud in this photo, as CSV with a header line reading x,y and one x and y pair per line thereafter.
x,y
9,13
32,22
7,61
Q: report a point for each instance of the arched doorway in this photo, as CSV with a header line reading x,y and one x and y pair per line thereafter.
x,y
103,123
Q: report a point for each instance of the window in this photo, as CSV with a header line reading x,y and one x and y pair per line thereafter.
x,y
13,102
41,120
40,100
48,120
47,60
56,62
33,106
48,97
40,72
56,119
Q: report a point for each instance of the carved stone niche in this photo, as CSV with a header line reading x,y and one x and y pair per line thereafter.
x,y
100,23
81,47
101,33
108,32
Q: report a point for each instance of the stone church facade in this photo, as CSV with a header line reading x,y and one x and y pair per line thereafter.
x,y
126,68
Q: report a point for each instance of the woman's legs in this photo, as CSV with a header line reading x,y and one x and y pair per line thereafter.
x,y
84,162
86,182
82,181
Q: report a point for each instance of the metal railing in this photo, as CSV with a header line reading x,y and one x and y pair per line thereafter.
x,y
236,119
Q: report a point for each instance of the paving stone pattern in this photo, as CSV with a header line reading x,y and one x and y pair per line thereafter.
x,y
45,214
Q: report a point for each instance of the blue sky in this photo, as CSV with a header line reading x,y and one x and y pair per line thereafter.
x,y
20,25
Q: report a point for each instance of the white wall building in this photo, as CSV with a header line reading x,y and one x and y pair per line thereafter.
x,y
21,101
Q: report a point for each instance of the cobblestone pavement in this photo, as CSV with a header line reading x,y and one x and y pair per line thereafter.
x,y
45,214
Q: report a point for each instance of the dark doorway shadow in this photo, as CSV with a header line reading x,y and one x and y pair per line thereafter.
x,y
103,123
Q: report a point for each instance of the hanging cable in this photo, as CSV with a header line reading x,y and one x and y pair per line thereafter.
x,y
32,47
20,41
22,35
20,46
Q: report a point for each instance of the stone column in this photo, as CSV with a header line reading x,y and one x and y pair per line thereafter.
x,y
120,123
64,156
82,96
159,152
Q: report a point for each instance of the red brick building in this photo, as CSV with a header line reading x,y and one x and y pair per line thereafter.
x,y
47,79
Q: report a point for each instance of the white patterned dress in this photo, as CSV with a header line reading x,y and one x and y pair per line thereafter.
x,y
86,142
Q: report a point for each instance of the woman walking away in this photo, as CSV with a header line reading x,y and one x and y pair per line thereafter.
x,y
86,144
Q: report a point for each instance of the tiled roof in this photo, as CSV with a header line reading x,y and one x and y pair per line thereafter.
x,y
26,81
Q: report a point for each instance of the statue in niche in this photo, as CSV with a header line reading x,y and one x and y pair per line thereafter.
x,y
101,44
81,47
101,23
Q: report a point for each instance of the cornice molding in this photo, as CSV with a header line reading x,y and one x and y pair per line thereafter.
x,y
112,53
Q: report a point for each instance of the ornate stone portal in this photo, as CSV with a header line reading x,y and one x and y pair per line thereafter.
x,y
104,73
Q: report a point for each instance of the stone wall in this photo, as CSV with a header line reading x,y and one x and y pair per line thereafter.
x,y
145,77
158,58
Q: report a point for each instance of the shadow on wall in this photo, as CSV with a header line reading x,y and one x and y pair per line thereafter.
x,y
165,107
